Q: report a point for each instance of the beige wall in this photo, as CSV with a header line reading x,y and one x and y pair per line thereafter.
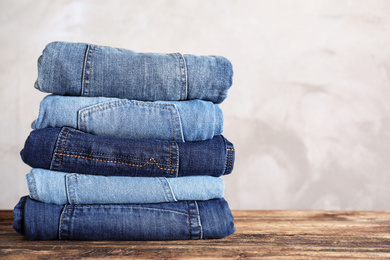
x,y
308,111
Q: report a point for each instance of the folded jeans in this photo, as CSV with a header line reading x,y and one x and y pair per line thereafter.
x,y
162,221
192,120
70,150
71,188
79,69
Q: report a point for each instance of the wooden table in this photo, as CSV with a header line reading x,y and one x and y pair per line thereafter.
x,y
291,234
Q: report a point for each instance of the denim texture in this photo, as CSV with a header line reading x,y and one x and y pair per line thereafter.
x,y
80,69
193,120
71,188
70,150
162,221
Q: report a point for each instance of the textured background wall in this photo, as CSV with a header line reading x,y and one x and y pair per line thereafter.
x,y
308,111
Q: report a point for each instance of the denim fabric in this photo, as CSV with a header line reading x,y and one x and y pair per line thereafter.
x,y
192,120
79,69
161,221
69,150
71,188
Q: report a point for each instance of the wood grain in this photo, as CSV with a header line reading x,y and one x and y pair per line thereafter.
x,y
289,234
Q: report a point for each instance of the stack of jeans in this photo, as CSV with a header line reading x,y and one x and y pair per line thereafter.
x,y
127,146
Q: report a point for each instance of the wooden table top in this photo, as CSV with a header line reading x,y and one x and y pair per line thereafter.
x,y
289,234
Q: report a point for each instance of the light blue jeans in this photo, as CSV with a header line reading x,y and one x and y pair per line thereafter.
x,y
193,120
71,188
79,69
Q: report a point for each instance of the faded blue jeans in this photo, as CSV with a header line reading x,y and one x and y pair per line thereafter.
x,y
69,150
162,221
71,188
193,120
79,69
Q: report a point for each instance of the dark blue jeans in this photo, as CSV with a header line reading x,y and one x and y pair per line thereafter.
x,y
69,150
163,221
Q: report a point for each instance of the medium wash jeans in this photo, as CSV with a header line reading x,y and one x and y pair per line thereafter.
x,y
193,120
71,188
69,150
79,69
162,221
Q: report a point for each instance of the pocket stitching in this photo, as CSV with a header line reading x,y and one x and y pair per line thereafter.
x,y
113,161
86,112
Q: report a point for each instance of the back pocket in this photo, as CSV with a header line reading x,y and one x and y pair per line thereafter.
x,y
132,119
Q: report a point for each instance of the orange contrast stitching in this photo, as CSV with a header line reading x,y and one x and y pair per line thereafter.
x,y
231,156
130,164
63,147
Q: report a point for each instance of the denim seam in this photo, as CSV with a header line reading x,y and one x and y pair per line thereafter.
x,y
177,160
118,162
199,221
68,214
189,219
226,157
193,217
90,71
67,189
56,149
168,193
176,170
179,126
170,155
186,78
84,69
66,219
32,183
230,152
171,190
183,76
229,157
62,150
74,188
163,190
88,64
71,182
61,224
